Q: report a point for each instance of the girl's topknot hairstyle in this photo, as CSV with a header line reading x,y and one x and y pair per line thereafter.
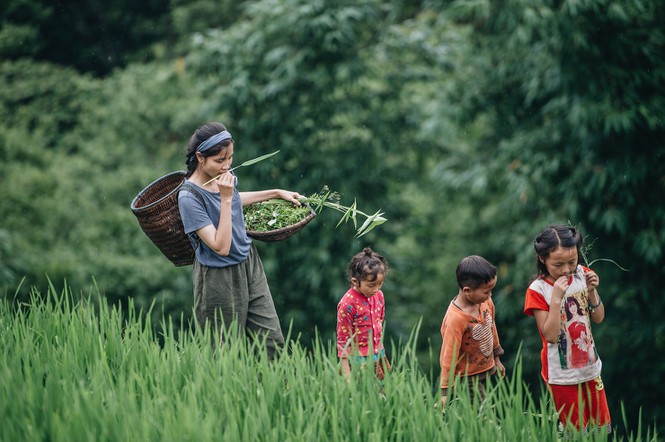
x,y
366,265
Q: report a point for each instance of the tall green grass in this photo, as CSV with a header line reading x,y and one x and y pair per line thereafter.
x,y
75,370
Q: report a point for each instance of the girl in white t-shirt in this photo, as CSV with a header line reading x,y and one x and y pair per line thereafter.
x,y
564,300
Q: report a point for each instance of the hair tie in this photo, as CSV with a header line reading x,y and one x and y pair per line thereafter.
x,y
214,141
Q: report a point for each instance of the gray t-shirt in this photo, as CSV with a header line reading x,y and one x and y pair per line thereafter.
x,y
196,216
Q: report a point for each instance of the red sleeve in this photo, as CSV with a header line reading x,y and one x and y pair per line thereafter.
x,y
345,313
534,301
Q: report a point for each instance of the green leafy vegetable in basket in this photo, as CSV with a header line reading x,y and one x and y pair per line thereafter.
x,y
276,214
273,214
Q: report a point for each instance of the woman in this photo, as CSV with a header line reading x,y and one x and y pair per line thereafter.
x,y
230,285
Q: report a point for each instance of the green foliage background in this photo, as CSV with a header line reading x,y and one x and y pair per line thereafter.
x,y
471,124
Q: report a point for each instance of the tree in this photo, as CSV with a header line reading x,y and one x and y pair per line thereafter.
x,y
75,151
93,37
311,84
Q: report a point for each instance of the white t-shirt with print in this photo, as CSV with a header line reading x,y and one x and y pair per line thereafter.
x,y
573,359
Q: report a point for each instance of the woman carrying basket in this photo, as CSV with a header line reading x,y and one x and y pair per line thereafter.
x,y
230,285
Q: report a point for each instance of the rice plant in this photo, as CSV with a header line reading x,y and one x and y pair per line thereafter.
x,y
76,369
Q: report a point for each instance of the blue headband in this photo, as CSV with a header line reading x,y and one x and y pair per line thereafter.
x,y
214,141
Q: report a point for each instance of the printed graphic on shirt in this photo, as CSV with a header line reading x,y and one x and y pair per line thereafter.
x,y
483,334
480,331
576,348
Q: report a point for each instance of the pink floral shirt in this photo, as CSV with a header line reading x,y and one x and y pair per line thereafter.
x,y
360,319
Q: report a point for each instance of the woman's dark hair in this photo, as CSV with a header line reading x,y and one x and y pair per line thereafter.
x,y
474,271
200,135
367,265
556,235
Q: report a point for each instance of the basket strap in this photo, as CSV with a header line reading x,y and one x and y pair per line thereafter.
x,y
194,191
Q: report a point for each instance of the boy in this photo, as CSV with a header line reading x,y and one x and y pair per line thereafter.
x,y
470,340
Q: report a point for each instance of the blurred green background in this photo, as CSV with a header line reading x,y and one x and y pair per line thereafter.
x,y
472,124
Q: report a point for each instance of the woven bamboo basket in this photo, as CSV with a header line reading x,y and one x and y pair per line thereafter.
x,y
156,208
284,232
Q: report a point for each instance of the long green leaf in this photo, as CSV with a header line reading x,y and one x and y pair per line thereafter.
x,y
246,163
608,260
256,160
370,223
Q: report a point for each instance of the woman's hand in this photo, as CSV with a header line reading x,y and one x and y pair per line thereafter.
x,y
290,196
256,196
225,184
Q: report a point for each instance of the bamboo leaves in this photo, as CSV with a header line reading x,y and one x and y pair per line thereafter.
x,y
329,199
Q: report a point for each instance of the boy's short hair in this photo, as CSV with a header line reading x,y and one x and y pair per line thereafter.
x,y
474,271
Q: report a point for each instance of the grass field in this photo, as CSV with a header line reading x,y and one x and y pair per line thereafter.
x,y
78,370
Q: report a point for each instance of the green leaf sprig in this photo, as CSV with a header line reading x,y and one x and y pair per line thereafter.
x,y
585,251
246,163
330,199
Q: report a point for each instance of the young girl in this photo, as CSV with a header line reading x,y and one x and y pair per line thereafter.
x,y
563,298
229,280
360,315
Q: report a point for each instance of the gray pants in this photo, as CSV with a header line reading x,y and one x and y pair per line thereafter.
x,y
237,293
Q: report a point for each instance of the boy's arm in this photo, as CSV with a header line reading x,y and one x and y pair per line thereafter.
x,y
451,336
497,350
